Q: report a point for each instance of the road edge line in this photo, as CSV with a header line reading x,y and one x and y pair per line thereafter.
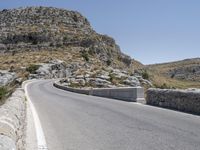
x,y
41,142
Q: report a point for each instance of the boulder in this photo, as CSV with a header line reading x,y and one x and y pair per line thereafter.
x,y
98,82
146,82
118,74
6,77
79,77
104,77
132,81
52,69
80,81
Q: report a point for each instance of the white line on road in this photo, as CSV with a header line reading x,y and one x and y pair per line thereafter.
x,y
41,142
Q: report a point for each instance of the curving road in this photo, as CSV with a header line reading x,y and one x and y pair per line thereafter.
x,y
79,122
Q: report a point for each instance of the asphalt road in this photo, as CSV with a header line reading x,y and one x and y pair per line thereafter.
x,y
79,122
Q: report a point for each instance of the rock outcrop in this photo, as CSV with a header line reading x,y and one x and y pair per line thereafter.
x,y
84,75
52,69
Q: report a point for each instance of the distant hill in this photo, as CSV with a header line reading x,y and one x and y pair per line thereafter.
x,y
181,74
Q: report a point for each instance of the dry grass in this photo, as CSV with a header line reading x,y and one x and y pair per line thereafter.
x,y
160,80
24,59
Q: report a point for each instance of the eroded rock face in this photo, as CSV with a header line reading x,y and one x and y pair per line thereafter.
x,y
6,77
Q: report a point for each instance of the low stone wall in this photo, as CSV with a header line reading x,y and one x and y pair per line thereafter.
x,y
12,122
133,94
182,100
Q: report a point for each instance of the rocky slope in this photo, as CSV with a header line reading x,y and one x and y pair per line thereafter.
x,y
81,75
45,28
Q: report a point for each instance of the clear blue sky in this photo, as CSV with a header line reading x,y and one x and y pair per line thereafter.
x,y
151,31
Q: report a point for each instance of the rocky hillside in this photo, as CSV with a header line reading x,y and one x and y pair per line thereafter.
x,y
44,28
45,42
181,74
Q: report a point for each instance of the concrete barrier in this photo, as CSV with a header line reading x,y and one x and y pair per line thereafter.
x,y
131,94
81,91
182,100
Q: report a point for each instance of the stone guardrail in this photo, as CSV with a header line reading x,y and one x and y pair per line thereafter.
x,y
182,100
12,122
132,94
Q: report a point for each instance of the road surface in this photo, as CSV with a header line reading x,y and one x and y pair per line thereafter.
x,y
72,121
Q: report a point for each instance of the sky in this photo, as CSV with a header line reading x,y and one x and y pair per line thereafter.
x,y
151,31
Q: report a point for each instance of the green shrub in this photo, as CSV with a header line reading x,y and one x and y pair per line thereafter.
x,y
164,86
32,68
108,62
91,52
3,93
145,75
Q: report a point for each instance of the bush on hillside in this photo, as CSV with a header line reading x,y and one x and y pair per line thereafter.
x,y
85,55
32,68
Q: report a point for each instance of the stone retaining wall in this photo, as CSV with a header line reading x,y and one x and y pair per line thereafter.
x,y
133,94
182,100
12,122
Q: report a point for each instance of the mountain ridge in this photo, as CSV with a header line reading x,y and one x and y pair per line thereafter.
x,y
176,61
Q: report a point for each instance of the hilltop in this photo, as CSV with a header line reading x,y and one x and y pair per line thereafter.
x,y
47,28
